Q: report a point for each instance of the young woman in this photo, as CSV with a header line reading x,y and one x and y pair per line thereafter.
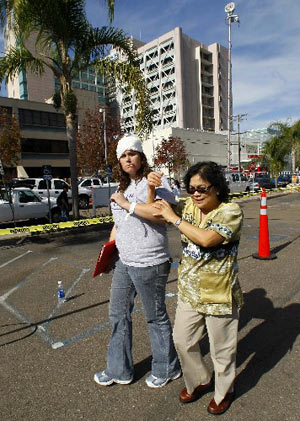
x,y
142,268
209,295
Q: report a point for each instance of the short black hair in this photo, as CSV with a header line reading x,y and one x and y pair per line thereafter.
x,y
211,172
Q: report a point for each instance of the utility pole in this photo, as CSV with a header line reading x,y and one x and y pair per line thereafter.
x,y
230,18
239,117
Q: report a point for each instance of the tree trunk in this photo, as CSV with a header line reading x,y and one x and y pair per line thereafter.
x,y
71,130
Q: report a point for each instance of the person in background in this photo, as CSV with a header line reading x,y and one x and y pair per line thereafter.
x,y
142,269
209,294
176,189
62,203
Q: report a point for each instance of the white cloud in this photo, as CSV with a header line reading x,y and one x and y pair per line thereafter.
x,y
265,47
266,61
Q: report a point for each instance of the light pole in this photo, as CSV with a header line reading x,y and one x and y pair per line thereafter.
x,y
239,118
230,18
103,112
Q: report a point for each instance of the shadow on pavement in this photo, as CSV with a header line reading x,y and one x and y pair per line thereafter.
x,y
35,325
282,246
266,343
141,368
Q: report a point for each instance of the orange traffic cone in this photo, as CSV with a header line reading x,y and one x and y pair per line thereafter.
x,y
264,242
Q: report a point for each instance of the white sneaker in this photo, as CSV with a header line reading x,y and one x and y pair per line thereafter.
x,y
104,380
156,382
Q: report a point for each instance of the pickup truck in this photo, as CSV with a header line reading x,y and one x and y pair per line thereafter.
x,y
56,185
22,204
101,192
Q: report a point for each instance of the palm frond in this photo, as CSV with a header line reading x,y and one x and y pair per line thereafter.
x,y
17,59
128,75
108,35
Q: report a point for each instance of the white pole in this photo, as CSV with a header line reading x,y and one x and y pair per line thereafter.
x,y
229,94
229,9
102,110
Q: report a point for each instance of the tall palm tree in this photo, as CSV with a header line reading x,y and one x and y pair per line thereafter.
x,y
290,134
67,43
295,142
275,151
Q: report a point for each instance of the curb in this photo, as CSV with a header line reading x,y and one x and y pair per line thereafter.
x,y
17,239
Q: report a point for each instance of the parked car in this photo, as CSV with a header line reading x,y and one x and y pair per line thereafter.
x,y
283,180
237,182
22,204
56,186
88,182
262,181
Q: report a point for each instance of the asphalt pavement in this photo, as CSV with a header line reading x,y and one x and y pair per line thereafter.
x,y
50,352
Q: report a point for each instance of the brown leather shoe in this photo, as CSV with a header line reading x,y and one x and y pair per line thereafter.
x,y
186,397
215,409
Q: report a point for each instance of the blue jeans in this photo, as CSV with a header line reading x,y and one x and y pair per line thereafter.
x,y
150,284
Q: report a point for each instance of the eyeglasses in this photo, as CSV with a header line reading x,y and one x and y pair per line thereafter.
x,y
199,189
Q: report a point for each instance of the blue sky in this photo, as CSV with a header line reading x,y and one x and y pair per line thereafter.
x,y
265,46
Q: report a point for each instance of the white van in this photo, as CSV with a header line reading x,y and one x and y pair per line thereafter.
x,y
237,182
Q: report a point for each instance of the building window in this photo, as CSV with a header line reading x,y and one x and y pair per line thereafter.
x,y
44,146
34,118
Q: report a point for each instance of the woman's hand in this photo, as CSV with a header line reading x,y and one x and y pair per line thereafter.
x,y
154,179
165,210
119,198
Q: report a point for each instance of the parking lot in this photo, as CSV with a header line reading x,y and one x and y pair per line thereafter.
x,y
49,352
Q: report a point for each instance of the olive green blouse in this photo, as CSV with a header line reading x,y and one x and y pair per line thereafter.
x,y
208,276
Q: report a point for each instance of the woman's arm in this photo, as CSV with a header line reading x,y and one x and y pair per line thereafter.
x,y
145,210
154,180
205,238
112,234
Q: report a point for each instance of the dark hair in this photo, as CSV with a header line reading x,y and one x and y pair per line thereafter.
x,y
177,184
124,178
211,172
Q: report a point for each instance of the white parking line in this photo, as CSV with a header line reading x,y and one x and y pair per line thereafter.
x,y
7,294
16,258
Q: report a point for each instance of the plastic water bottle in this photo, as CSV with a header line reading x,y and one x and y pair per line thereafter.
x,y
60,292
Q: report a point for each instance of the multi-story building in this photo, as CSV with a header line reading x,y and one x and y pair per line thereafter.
x,y
44,140
187,81
186,78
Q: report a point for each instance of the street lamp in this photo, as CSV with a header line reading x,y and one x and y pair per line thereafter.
x,y
103,111
230,18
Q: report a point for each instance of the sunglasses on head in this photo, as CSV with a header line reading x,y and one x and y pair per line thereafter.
x,y
199,189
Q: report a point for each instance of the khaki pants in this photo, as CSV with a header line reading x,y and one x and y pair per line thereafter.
x,y
222,331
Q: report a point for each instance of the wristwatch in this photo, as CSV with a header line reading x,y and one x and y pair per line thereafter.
x,y
178,222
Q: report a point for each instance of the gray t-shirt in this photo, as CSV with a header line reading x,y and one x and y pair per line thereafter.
x,y
140,242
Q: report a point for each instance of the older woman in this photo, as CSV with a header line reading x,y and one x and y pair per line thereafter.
x,y
142,269
209,295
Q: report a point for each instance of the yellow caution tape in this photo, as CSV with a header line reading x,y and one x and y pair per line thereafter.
x,y
58,226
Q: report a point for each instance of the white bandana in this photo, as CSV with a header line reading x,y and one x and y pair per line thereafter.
x,y
129,143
